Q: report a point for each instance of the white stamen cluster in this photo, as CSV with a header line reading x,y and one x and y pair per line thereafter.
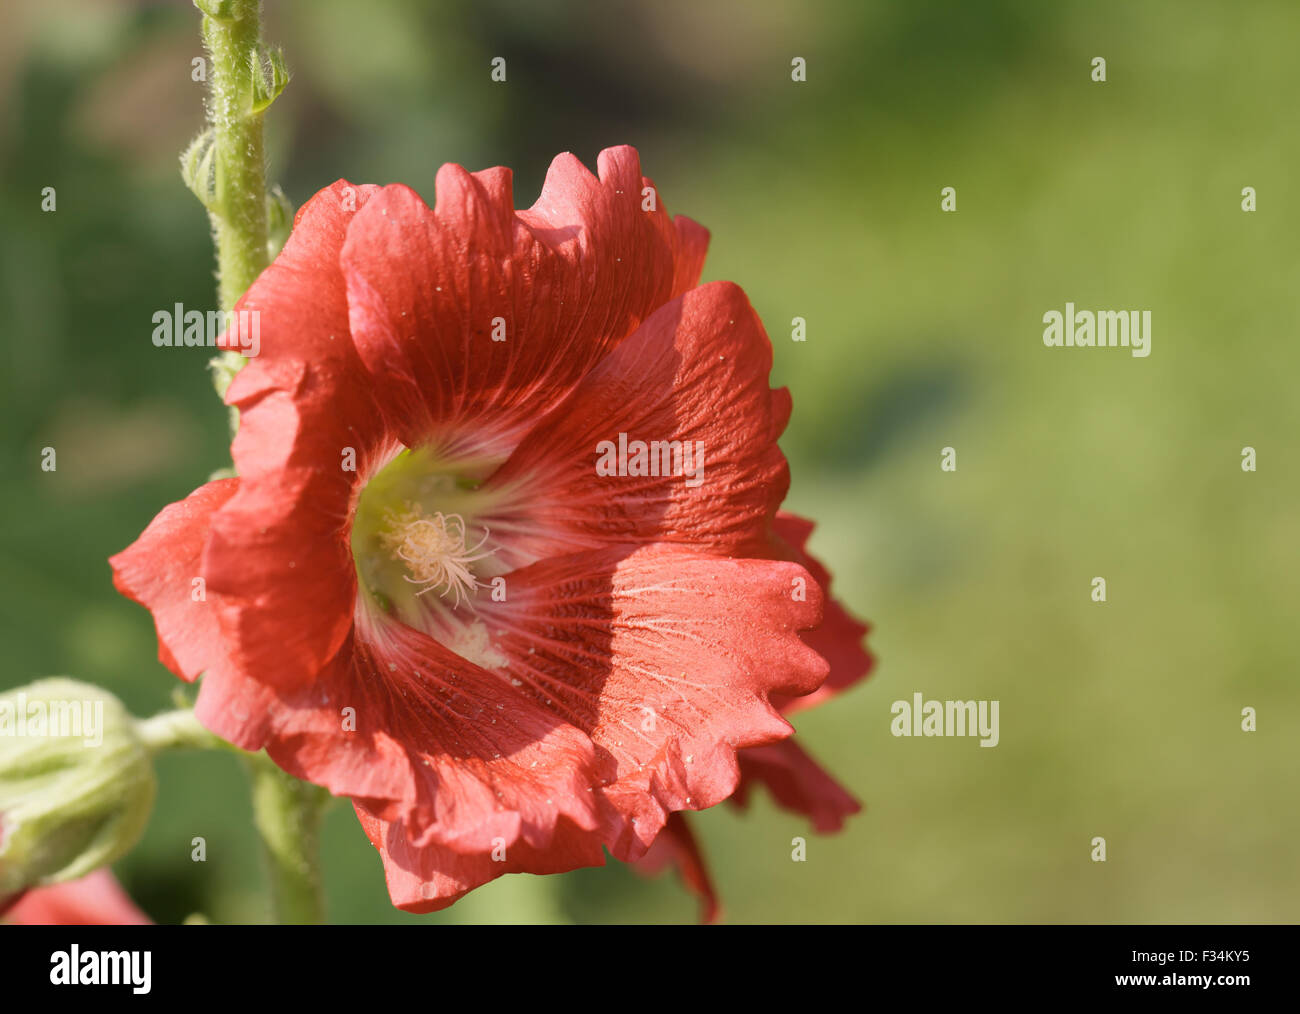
x,y
434,550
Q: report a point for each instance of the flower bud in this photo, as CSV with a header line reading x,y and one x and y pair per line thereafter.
x,y
76,783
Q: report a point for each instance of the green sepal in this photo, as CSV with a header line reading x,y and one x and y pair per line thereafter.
x,y
269,76
199,168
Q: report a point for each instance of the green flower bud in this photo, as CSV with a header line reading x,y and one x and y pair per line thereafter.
x,y
76,783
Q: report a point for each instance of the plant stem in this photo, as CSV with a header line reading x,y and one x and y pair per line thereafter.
x,y
288,814
238,209
286,811
175,730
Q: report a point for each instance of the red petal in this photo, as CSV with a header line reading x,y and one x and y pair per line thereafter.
x,y
696,370
158,571
676,846
279,557
692,247
797,783
236,707
782,406
306,351
570,278
432,740
95,900
430,878
666,658
839,639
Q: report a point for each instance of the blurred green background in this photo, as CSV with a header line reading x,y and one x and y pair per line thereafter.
x,y
1119,720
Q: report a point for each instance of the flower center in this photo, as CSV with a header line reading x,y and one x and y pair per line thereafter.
x,y
415,532
434,550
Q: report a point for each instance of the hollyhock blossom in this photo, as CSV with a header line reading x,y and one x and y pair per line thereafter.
x,y
424,591
95,900
794,779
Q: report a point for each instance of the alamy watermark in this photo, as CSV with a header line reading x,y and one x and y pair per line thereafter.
x,y
1130,329
75,967
41,718
675,458
179,327
919,717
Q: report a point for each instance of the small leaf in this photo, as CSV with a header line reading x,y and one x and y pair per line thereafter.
x,y
199,168
270,74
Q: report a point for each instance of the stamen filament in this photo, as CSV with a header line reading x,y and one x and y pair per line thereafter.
x,y
434,550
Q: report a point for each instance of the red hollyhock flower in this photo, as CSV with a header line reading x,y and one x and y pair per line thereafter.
x,y
432,588
94,900
795,780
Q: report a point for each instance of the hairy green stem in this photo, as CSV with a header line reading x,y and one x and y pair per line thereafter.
x,y
175,730
230,179
238,209
288,814
286,811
